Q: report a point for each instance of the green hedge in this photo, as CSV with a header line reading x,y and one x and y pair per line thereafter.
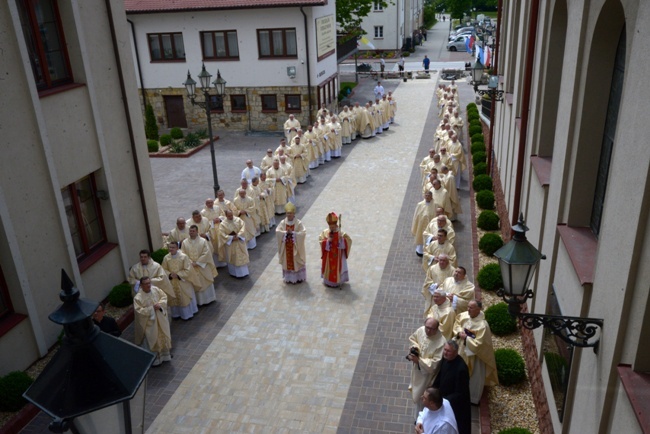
x,y
477,138
480,169
165,139
475,130
500,321
176,133
515,430
152,145
490,243
470,105
489,277
485,198
475,123
12,387
120,295
488,220
482,182
511,368
159,255
478,146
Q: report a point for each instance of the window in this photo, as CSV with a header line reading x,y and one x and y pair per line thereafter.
x,y
277,43
84,216
379,31
292,103
377,6
216,103
269,103
45,41
166,46
238,103
6,308
220,45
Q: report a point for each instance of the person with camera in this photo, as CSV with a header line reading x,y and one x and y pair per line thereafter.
x,y
425,353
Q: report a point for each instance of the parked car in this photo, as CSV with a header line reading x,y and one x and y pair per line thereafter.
x,y
458,44
461,30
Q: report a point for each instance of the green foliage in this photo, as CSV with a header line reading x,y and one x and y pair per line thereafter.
x,y
488,220
480,168
457,8
475,122
150,124
165,139
429,15
152,145
511,368
482,182
477,137
478,147
476,129
558,369
478,157
471,105
120,295
176,133
202,133
515,430
500,321
485,198
178,147
350,14
489,277
406,53
159,255
192,140
490,243
12,387
473,117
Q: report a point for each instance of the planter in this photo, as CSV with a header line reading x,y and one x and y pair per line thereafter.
x,y
165,151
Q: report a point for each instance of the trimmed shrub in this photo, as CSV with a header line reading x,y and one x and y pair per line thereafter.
x,y
478,146
406,53
480,169
482,182
470,105
12,387
475,130
192,140
478,157
472,115
176,133
488,220
159,255
477,138
120,295
475,123
500,321
150,124
489,277
152,145
490,243
558,368
515,430
511,368
484,198
165,139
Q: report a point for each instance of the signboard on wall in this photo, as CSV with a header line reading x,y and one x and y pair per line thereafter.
x,y
325,36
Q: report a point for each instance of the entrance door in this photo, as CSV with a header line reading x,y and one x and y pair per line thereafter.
x,y
175,111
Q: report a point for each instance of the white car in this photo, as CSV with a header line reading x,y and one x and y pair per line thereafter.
x,y
460,31
458,44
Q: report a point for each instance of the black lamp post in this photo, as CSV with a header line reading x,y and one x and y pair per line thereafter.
x,y
206,104
493,82
518,261
88,385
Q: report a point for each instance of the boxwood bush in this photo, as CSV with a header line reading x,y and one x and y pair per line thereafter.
x,y
12,387
478,157
152,145
480,169
475,123
120,295
488,220
485,198
511,368
477,137
500,321
515,430
472,116
490,243
489,277
159,255
470,105
165,139
478,146
176,133
482,182
475,130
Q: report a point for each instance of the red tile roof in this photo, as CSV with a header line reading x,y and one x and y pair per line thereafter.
x,y
144,6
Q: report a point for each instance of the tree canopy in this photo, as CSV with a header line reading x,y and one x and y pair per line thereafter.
x,y
350,13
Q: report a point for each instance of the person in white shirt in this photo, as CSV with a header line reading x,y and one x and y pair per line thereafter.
x,y
437,416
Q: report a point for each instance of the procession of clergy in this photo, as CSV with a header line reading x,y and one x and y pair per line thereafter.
x,y
452,354
221,234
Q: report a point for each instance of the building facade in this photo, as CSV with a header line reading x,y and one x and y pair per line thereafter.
x,y
76,190
394,26
277,57
570,152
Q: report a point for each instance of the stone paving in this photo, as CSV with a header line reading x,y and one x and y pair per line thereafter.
x,y
270,357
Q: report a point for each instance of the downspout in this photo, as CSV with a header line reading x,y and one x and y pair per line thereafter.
x,y
495,71
308,63
525,108
137,61
127,113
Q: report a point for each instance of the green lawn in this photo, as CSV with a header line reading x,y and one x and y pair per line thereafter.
x,y
350,84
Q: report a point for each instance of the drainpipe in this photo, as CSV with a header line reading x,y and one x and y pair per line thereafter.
x,y
127,113
137,62
495,68
308,63
525,108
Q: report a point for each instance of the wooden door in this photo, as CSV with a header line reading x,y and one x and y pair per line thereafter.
x,y
175,111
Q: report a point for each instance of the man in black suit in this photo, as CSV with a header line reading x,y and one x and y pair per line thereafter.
x,y
453,383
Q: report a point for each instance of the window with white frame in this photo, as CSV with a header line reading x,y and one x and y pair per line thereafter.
x,y
377,6
379,31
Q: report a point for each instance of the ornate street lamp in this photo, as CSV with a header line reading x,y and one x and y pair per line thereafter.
x,y
493,82
206,104
518,261
91,384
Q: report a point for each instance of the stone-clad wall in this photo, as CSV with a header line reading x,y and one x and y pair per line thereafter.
x,y
253,119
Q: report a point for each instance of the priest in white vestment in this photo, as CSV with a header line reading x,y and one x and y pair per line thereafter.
x,y
178,268
232,232
203,268
151,321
